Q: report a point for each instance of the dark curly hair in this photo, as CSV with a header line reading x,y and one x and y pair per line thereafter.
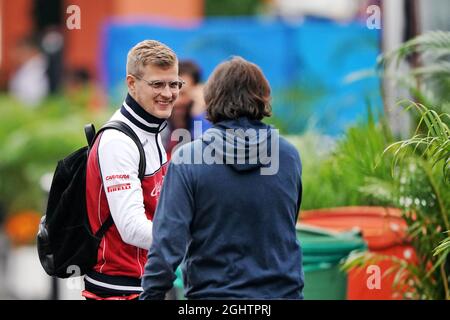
x,y
237,88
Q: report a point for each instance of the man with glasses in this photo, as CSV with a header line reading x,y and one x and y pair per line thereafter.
x,y
113,187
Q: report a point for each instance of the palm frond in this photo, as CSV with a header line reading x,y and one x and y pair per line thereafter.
x,y
435,141
432,70
429,80
443,248
433,41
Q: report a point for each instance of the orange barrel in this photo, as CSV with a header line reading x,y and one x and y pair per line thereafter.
x,y
383,229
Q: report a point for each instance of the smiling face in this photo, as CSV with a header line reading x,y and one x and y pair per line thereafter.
x,y
158,103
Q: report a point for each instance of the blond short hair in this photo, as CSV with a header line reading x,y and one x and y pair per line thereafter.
x,y
149,52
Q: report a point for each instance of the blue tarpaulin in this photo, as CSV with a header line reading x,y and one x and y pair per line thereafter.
x,y
310,65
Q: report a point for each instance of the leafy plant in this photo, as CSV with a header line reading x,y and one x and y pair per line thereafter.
x,y
420,168
434,143
31,143
418,187
433,148
443,249
344,172
429,80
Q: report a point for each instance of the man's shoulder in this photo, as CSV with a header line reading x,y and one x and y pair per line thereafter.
x,y
114,135
116,140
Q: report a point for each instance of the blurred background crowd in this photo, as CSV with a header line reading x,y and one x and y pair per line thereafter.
x,y
337,69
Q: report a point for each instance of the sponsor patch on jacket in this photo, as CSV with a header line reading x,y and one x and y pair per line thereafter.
x,y
119,187
118,176
157,189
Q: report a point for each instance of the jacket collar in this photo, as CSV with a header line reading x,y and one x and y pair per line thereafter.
x,y
139,117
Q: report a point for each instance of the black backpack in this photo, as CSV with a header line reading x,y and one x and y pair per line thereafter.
x,y
65,241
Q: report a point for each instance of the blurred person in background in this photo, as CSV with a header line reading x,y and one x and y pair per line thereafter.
x,y
29,84
49,22
230,221
82,90
189,108
113,187
190,72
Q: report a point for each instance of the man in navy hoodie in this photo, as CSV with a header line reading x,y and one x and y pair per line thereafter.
x,y
230,201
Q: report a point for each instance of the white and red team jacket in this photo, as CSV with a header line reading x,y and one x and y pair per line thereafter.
x,y
113,187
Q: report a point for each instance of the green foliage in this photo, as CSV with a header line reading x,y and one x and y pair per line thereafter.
x,y
420,170
232,7
435,44
429,155
429,81
366,167
31,143
443,249
314,151
419,189
433,144
349,171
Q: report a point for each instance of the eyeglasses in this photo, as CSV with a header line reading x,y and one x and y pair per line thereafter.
x,y
160,85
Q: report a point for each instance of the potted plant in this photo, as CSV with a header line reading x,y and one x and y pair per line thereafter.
x,y
420,172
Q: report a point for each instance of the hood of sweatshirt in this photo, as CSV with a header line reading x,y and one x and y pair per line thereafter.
x,y
243,144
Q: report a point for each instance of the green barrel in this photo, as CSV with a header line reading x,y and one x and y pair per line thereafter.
x,y
323,250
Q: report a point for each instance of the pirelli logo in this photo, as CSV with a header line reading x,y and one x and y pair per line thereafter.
x,y
118,187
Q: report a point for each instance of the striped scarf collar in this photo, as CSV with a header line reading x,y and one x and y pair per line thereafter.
x,y
139,117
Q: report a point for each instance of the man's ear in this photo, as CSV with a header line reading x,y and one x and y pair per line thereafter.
x,y
131,83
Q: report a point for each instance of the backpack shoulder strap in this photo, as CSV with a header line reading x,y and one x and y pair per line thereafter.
x,y
123,127
104,227
89,131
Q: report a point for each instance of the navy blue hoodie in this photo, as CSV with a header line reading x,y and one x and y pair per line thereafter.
x,y
230,211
